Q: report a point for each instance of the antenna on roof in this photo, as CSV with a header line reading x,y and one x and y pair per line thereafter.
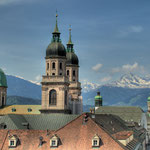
x,y
47,132
41,141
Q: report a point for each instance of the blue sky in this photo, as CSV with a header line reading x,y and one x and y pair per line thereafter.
x,y
111,38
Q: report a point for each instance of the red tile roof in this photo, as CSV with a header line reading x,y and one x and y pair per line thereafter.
x,y
73,136
123,135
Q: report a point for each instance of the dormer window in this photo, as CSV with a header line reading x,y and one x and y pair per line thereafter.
x,y
29,109
12,143
13,140
96,141
54,141
13,109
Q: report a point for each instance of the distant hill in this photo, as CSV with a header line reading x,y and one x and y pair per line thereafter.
x,y
18,100
21,87
128,90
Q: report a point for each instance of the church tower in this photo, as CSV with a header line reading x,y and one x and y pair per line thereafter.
x,y
72,72
98,100
3,89
55,84
148,104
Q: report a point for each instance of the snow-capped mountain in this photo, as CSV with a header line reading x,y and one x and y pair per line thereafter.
x,y
88,86
131,81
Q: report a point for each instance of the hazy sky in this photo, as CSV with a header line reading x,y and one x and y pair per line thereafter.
x,y
111,37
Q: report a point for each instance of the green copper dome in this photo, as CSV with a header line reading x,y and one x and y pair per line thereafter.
x,y
55,48
98,97
98,100
148,99
3,81
72,59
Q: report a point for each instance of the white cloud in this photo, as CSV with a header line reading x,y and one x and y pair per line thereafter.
x,y
105,79
38,78
97,67
129,68
130,30
6,2
136,29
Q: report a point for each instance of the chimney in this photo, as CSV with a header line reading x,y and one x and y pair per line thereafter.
x,y
47,132
85,118
92,110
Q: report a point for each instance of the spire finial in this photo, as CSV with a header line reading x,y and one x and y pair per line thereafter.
x,y
69,42
56,26
56,14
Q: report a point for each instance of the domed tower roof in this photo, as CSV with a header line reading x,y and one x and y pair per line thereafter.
x,y
98,100
72,58
55,48
98,96
3,81
148,99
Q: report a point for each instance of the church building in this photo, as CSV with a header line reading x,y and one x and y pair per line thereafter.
x,y
61,89
3,89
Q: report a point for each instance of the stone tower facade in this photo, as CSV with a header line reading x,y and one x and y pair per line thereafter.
x,y
57,85
3,89
148,104
72,72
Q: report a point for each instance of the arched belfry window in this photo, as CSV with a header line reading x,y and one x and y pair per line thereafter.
x,y
53,65
3,101
52,97
60,66
74,73
67,72
66,95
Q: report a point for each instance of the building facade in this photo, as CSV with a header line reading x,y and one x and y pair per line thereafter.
x,y
3,89
61,90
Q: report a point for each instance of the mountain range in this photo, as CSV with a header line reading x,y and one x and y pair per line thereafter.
x,y
129,90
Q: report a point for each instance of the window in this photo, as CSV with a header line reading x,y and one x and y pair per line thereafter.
x,y
60,66
53,142
65,97
3,101
12,143
96,141
67,72
53,74
60,74
53,65
29,109
74,73
52,97
13,109
47,66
